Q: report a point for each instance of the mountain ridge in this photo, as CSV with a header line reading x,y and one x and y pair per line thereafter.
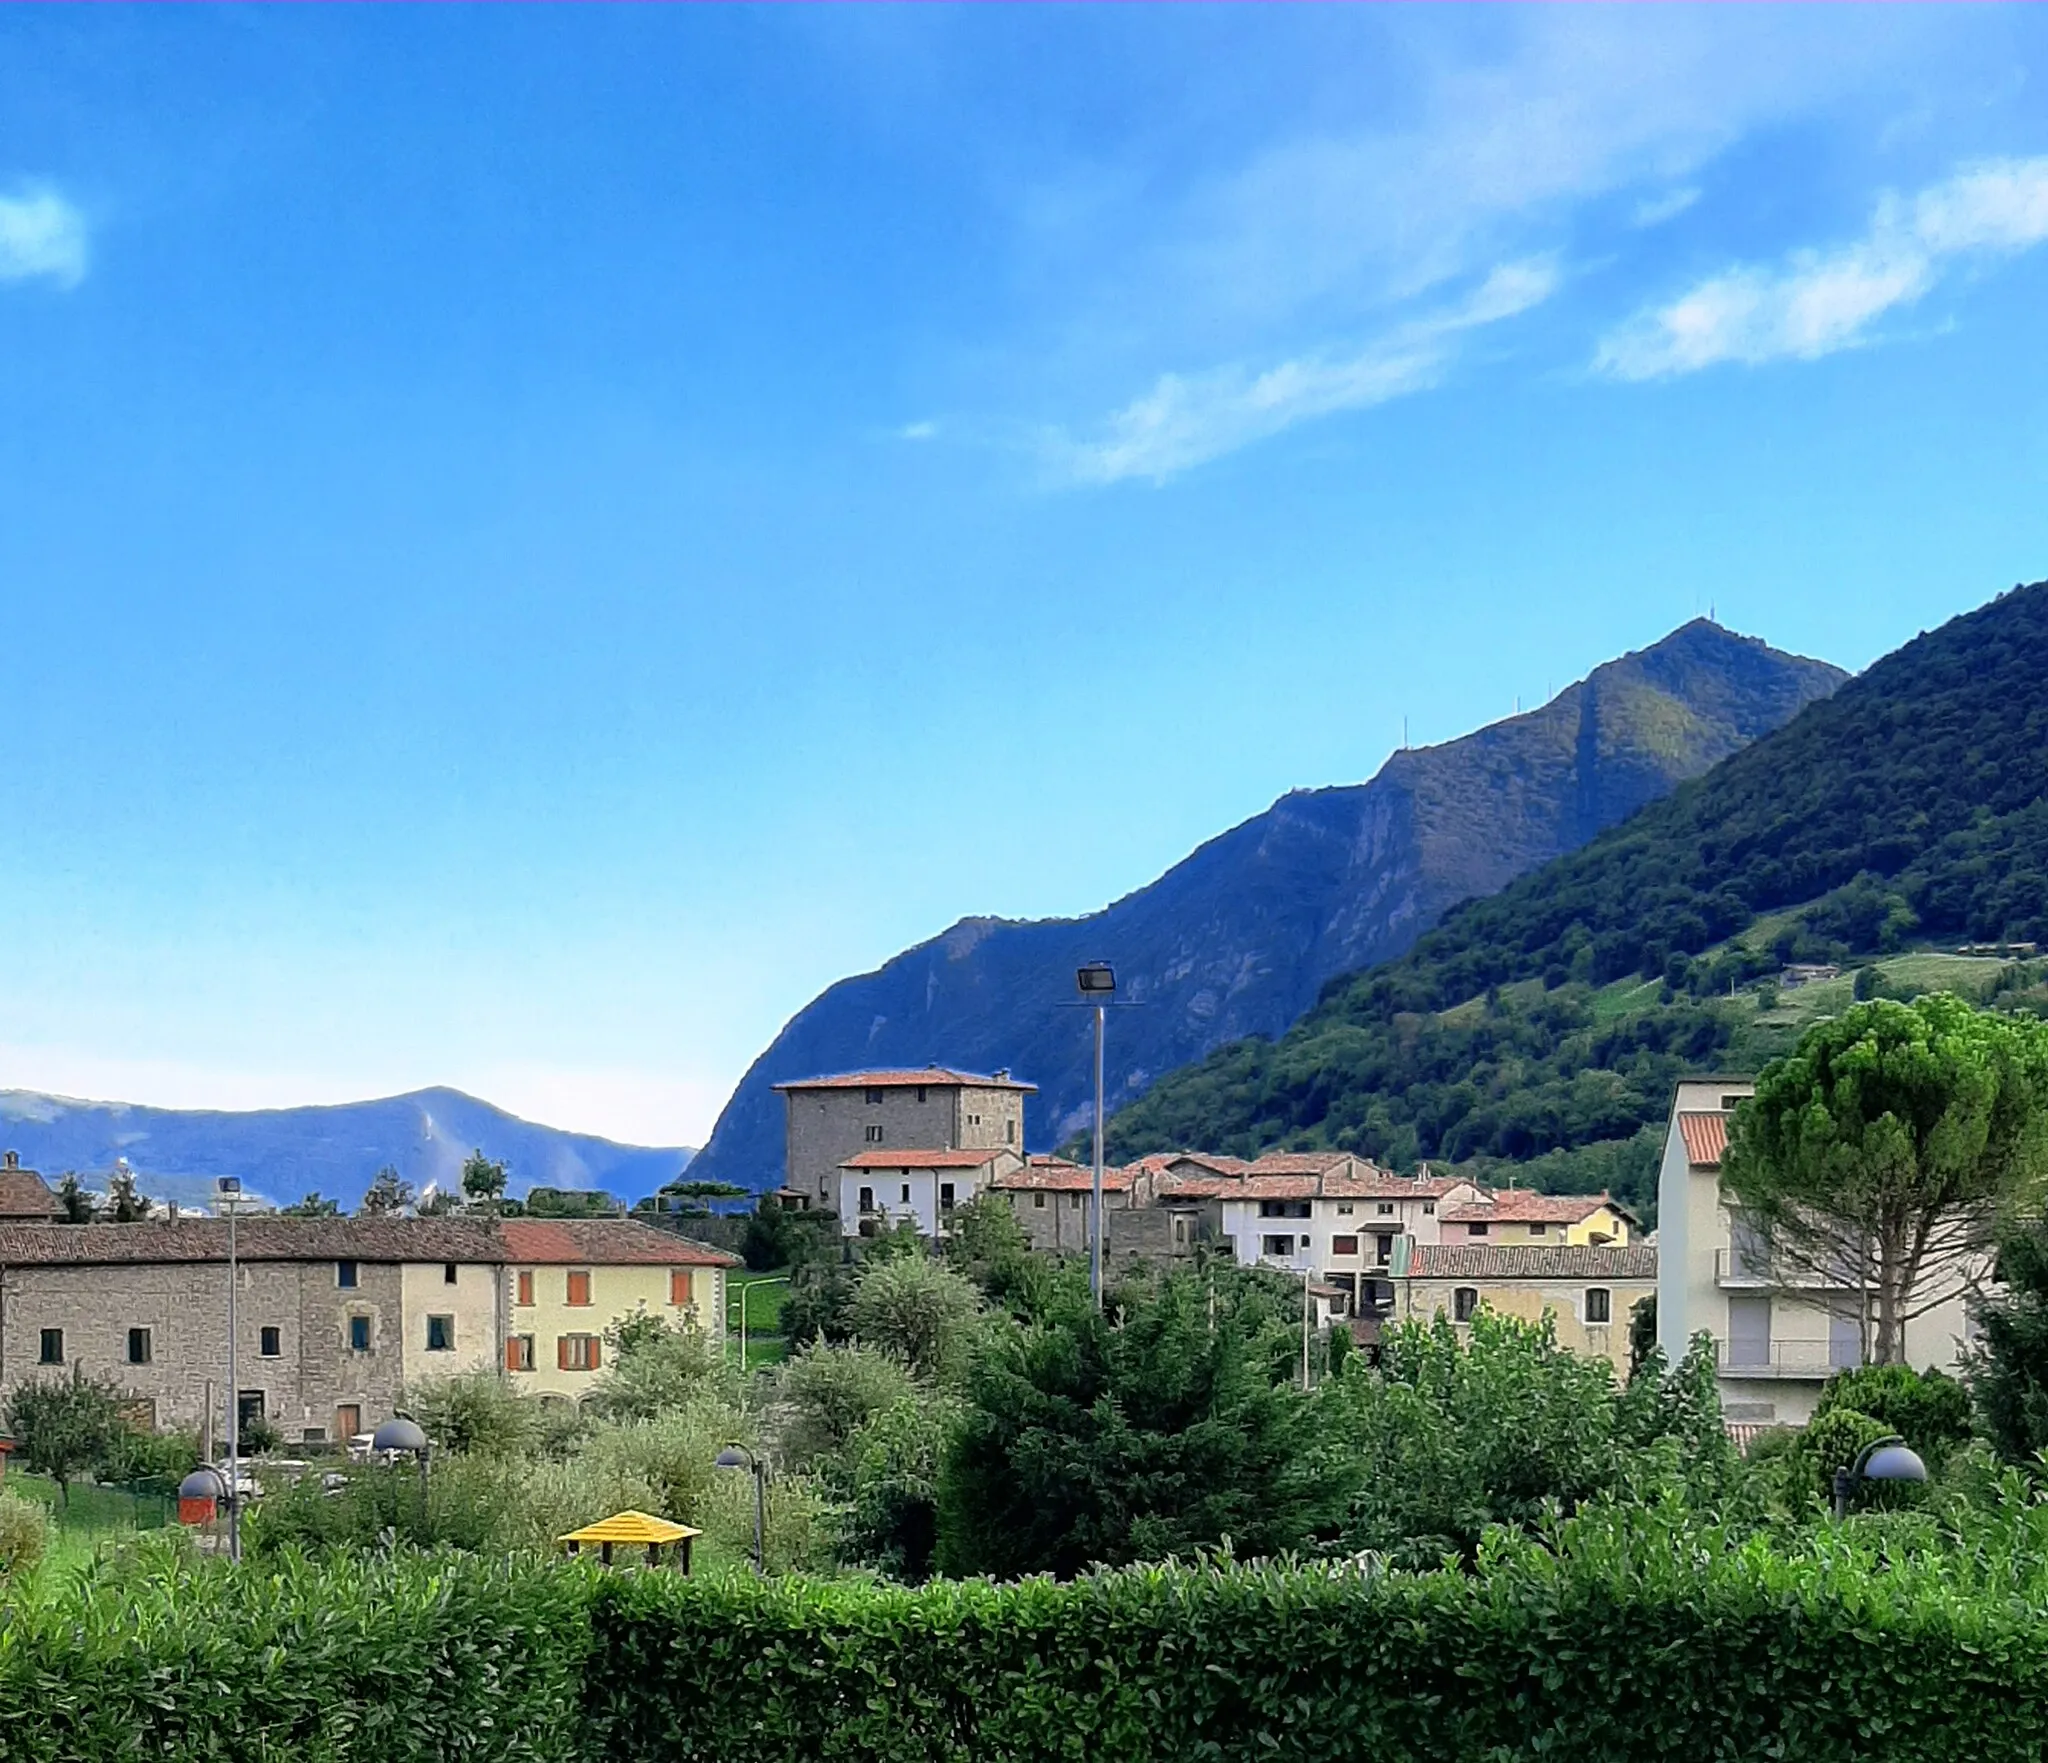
x,y
1240,935
332,1148
1909,808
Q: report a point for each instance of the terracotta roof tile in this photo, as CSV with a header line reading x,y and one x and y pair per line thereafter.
x,y
1477,1261
1526,1206
263,1238
926,1158
1706,1138
25,1195
604,1242
1054,1175
930,1076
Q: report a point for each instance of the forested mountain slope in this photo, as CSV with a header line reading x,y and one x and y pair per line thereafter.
x,y
1239,937
1906,809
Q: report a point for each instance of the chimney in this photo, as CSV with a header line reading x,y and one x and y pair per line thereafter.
x,y
1002,1077
13,1159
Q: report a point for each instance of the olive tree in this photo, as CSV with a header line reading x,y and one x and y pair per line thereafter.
x,y
1888,1151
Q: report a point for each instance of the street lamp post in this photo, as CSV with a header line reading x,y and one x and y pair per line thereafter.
x,y
1097,983
775,1279
1885,1459
228,1189
739,1457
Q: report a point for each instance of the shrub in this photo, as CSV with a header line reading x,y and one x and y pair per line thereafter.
x,y
24,1534
915,1308
1829,1442
477,1412
1929,1410
66,1426
830,1394
657,1368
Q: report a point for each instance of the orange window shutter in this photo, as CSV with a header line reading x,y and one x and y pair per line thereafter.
x,y
562,1353
595,1355
512,1354
526,1288
678,1286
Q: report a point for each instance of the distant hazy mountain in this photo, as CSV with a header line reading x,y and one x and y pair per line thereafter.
x,y
1239,937
284,1153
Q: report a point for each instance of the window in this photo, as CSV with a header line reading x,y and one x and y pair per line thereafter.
x,y
576,1289
867,1199
440,1334
874,1098
873,1135
1385,1209
447,1273
53,1347
577,1352
1599,1304
1280,1246
1475,1230
1343,1245
524,1287
945,1196
270,1343
920,1093
138,1346
1009,1132
1428,1208
345,1275
1383,1248
679,1286
974,1120
1729,1104
1344,1208
1464,1301
1283,1209
348,1420
313,1435
1538,1230
358,1334
1038,1200
906,1193
1304,1242
519,1353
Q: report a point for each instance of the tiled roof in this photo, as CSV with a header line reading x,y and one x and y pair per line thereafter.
x,y
266,1238
1613,1261
23,1194
1160,1162
1526,1206
603,1242
1375,1184
1706,1138
1055,1175
1298,1163
926,1158
931,1076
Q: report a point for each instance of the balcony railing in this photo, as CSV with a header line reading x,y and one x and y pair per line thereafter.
x,y
1747,1271
1793,1359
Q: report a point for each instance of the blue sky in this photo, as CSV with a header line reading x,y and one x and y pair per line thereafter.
x,y
533,540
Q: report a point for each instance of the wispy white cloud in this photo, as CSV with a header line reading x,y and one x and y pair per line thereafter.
x,y
1820,301
41,236
926,430
1185,420
1656,210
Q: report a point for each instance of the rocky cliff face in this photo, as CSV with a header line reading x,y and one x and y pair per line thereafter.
x,y
1238,938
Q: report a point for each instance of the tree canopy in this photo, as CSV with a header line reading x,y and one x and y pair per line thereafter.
x,y
1893,1146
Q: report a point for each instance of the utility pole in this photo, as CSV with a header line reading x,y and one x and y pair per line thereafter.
x,y
229,1189
1307,1311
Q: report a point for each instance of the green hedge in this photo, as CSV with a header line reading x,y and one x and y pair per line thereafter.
x,y
1633,1643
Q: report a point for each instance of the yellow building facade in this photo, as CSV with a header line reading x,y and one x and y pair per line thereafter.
x,y
1591,1290
572,1279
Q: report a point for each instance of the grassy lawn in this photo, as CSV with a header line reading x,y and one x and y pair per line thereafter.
x,y
765,1345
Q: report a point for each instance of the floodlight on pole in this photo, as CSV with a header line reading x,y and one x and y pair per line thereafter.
x,y
1885,1459
1096,981
739,1457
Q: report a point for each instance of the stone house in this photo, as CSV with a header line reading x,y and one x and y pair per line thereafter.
x,y
334,1316
573,1278
25,1198
1589,1289
931,1108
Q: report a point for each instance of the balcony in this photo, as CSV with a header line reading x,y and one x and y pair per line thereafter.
x,y
1741,1270
1808,1361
